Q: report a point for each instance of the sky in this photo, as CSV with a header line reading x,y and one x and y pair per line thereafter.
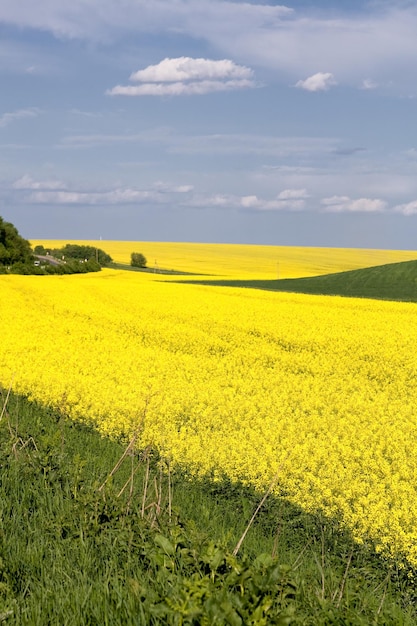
x,y
210,121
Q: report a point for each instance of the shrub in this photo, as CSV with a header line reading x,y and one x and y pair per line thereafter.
x,y
137,260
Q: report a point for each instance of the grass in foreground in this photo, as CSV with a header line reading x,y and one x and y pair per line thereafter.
x,y
85,539
394,281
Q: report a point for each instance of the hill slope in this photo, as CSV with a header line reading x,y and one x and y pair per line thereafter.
x,y
394,281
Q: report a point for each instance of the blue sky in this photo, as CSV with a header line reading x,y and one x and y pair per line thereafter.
x,y
210,120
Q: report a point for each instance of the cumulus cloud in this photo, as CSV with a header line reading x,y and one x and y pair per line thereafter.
x,y
322,81
187,68
169,194
187,76
291,194
289,199
8,118
180,89
250,202
340,204
407,209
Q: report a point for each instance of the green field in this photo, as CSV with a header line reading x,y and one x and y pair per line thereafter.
x,y
393,281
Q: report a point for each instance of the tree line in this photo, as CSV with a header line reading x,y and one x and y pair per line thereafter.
x,y
17,256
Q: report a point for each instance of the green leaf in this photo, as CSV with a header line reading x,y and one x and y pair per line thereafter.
x,y
165,544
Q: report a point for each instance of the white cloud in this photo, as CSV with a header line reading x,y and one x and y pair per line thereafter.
x,y
187,76
322,81
187,68
180,89
8,118
339,204
407,209
51,192
289,200
379,36
291,194
250,202
367,205
26,182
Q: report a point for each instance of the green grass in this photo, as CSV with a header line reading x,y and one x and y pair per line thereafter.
x,y
148,270
75,552
394,281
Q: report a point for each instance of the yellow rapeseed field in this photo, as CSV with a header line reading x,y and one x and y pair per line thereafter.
x,y
319,391
244,261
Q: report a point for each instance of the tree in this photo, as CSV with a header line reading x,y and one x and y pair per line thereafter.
x,y
13,247
137,260
17,257
82,253
40,250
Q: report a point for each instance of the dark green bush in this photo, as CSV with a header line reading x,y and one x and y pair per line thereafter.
x,y
137,259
